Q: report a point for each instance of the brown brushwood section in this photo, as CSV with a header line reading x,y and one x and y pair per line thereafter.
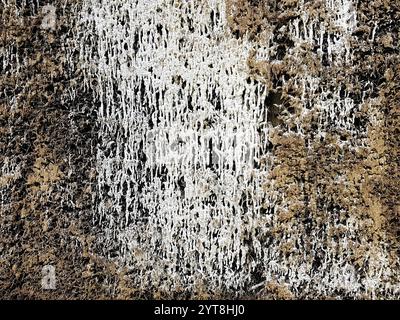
x,y
305,168
49,137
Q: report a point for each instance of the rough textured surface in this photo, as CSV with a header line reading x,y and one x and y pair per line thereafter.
x,y
200,149
46,157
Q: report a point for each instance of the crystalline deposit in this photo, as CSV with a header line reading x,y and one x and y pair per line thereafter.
x,y
200,148
185,195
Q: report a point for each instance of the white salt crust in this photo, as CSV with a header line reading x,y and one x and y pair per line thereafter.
x,y
183,131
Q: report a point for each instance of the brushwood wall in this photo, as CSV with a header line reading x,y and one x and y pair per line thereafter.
x,y
200,148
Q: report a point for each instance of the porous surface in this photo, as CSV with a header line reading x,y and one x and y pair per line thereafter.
x,y
200,149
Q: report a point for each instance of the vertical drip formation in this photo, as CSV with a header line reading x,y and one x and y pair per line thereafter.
x,y
46,159
199,148
322,215
182,130
225,133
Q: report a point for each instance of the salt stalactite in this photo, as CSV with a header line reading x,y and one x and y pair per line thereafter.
x,y
332,36
184,152
182,131
332,101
